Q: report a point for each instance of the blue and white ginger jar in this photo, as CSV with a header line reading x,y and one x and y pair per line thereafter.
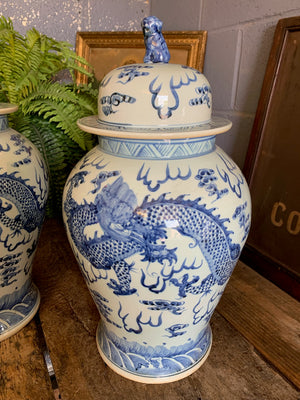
x,y
23,195
157,216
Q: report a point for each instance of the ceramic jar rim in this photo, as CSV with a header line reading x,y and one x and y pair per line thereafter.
x,y
7,108
215,126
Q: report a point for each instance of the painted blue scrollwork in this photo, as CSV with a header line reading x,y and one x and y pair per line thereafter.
x,y
165,98
109,103
207,178
16,306
153,361
203,96
231,175
9,268
158,284
204,313
3,123
140,321
143,176
176,330
128,73
173,306
243,218
95,162
105,310
6,149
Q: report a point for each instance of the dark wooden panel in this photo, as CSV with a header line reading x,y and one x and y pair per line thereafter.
x,y
273,164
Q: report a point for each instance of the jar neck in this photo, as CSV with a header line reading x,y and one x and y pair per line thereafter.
x,y
171,149
3,122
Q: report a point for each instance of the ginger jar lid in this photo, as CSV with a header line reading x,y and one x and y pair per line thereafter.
x,y
154,99
7,108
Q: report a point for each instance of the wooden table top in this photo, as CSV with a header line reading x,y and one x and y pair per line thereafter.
x,y
55,355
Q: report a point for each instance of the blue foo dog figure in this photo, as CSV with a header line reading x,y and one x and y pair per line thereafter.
x,y
156,47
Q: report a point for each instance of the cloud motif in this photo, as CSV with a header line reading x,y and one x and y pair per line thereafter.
x,y
165,97
134,319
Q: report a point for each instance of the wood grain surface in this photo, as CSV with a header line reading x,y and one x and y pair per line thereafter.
x,y
268,317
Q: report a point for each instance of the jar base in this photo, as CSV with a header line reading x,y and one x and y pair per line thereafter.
x,y
14,319
158,375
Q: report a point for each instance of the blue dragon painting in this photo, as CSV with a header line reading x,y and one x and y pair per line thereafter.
x,y
23,195
30,210
126,228
22,205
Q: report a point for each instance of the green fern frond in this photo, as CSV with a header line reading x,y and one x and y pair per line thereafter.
x,y
50,90
64,106
65,117
5,24
87,98
48,110
12,64
59,152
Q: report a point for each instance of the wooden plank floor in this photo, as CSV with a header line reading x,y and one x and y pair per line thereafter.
x,y
268,317
237,368
22,367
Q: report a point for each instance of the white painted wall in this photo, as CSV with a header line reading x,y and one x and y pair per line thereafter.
x,y
61,19
240,34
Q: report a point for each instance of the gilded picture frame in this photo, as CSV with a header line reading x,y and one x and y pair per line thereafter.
x,y
105,51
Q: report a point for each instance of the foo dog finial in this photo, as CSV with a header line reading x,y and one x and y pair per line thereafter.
x,y
156,47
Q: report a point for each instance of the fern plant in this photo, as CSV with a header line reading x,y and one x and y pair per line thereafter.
x,y
48,109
